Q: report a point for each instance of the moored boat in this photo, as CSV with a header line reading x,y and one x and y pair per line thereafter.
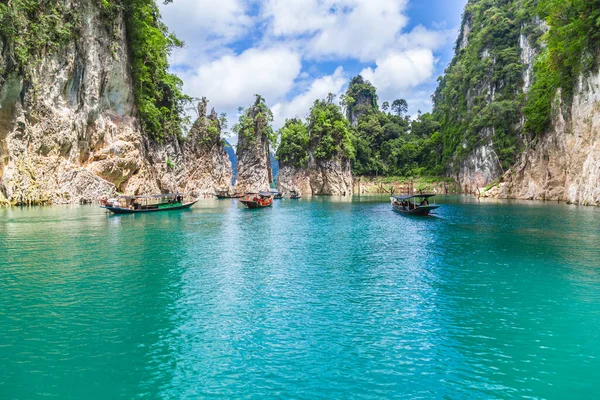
x,y
258,200
417,204
151,203
294,194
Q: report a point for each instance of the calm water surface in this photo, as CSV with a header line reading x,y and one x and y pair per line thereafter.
x,y
326,298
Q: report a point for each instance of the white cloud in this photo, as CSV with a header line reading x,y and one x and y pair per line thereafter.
x,y
232,81
398,72
360,29
299,106
206,27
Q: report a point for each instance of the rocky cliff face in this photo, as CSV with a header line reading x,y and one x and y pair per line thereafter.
x,y
292,178
331,176
69,130
207,164
253,150
479,99
254,169
564,164
198,165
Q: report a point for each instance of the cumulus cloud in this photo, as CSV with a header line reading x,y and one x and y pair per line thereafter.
x,y
233,80
360,29
398,72
284,50
206,26
299,105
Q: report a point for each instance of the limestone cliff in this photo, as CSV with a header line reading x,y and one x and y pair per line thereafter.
x,y
69,128
332,176
207,165
564,164
479,101
253,148
293,178
67,124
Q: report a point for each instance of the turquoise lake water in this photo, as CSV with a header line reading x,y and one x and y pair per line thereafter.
x,y
322,298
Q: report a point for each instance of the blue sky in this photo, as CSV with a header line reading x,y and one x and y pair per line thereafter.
x,y
295,51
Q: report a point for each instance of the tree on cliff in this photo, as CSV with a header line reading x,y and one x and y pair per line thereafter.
x,y
360,98
293,145
329,131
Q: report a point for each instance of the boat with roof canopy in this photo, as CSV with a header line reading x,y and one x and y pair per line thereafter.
x,y
258,200
417,204
151,203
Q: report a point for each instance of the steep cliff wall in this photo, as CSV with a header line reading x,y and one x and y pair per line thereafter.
x,y
331,176
253,149
293,178
207,165
479,101
529,115
330,150
69,128
563,164
67,121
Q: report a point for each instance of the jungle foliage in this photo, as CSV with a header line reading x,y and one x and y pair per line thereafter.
x,y
293,144
31,29
255,123
158,93
572,48
329,130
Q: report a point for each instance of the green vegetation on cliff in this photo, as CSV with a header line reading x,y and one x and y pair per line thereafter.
x,y
255,122
158,94
293,144
477,100
572,48
388,143
30,28
330,134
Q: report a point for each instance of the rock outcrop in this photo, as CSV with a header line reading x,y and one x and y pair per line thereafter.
x,y
67,127
563,164
207,165
70,132
331,176
292,178
253,154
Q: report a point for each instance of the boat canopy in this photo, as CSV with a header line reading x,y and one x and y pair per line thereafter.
x,y
153,196
412,196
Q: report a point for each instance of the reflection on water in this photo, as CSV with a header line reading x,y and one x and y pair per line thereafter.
x,y
322,297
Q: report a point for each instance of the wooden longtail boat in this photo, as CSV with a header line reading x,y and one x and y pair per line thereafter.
x,y
277,195
294,194
417,204
258,200
142,204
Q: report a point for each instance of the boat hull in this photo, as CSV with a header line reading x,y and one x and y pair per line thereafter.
x,y
119,210
254,204
420,211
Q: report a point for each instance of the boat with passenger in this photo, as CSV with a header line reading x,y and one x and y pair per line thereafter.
x,y
258,200
151,203
417,204
295,194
